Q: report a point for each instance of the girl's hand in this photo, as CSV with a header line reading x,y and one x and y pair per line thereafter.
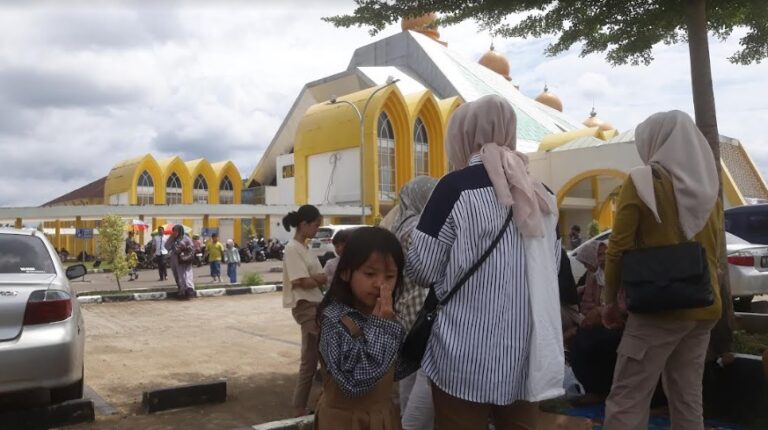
x,y
384,308
612,317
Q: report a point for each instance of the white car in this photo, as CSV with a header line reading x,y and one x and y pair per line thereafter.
x,y
322,244
42,334
747,265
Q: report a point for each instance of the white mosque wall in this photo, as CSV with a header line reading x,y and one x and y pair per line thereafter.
x,y
334,177
283,192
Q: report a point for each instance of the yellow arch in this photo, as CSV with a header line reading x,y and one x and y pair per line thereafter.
x,y
565,189
447,106
175,165
228,168
423,105
201,166
328,128
124,177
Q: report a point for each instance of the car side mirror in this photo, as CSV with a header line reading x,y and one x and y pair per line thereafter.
x,y
76,271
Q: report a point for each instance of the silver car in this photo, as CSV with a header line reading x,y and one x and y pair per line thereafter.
x,y
747,265
42,335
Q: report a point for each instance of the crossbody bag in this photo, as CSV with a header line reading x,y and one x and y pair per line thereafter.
x,y
416,341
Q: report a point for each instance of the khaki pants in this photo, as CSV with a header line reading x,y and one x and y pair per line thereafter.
x,y
305,314
651,347
457,414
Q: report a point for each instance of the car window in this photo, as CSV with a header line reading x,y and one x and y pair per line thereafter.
x,y
732,239
24,254
324,233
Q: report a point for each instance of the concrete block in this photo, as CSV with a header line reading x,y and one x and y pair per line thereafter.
x,y
158,295
89,299
238,290
300,423
115,298
213,292
261,289
63,414
752,322
184,395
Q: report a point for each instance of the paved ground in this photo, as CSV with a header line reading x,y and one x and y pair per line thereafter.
x,y
149,278
249,340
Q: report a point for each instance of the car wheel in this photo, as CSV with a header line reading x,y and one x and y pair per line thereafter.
x,y
70,392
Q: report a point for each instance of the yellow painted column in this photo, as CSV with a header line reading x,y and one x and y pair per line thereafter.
x,y
267,227
206,221
141,235
78,224
57,234
18,223
237,230
596,197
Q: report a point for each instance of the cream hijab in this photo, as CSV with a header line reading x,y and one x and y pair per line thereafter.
x,y
672,141
488,126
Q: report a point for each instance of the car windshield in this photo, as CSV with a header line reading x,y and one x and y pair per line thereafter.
x,y
24,254
324,233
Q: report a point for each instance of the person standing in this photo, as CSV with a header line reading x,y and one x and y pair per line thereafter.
x,y
215,251
130,251
339,241
302,278
181,249
415,393
232,258
485,358
671,199
160,253
575,237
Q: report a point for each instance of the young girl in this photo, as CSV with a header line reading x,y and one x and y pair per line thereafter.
x,y
359,335
232,258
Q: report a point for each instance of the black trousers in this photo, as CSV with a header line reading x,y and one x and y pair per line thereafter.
x,y
161,267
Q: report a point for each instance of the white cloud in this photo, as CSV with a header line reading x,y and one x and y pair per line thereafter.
x,y
85,86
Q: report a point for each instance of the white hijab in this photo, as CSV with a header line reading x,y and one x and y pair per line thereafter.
x,y
489,126
672,141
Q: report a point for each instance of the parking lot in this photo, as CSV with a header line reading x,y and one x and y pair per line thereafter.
x,y
249,340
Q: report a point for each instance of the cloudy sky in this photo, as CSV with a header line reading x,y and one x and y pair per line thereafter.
x,y
83,87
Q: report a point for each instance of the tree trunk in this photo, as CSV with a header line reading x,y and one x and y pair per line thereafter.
x,y
117,278
706,119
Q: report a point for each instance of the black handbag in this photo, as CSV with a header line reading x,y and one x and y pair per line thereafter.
x,y
666,278
416,340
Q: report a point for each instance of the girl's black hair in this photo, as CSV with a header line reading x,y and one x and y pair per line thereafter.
x,y
341,236
306,213
361,244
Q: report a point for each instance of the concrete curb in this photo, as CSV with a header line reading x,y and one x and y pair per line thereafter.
x,y
300,423
183,396
211,292
63,414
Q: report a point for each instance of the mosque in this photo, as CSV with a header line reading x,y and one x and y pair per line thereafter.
x,y
359,135
324,153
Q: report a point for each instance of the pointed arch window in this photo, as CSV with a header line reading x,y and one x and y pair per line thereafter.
x,y
226,191
421,148
145,189
200,190
386,147
173,190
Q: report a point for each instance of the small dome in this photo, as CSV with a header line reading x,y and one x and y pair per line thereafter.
x,y
594,121
496,62
550,99
424,24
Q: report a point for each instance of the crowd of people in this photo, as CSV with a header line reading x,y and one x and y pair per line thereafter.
x,y
481,248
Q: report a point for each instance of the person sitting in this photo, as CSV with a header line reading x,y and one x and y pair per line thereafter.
x,y
592,256
339,241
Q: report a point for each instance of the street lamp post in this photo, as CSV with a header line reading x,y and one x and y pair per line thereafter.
x,y
361,119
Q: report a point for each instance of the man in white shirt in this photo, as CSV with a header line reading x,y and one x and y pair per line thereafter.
x,y
158,244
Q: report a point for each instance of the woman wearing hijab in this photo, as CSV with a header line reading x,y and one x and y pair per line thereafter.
x,y
673,196
592,256
415,393
487,356
177,244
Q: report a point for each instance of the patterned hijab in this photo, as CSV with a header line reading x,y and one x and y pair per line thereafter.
x,y
488,126
672,141
413,197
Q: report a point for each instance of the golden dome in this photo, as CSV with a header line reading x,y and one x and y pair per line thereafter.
x,y
550,99
496,62
594,121
424,24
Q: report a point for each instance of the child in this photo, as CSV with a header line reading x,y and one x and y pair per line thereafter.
x,y
232,258
339,241
214,250
359,335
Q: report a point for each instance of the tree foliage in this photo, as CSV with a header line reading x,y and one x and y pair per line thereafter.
x,y
626,30
112,246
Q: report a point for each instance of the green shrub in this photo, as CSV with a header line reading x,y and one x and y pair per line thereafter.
x,y
251,279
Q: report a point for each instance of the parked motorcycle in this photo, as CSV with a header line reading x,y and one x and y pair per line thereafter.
x,y
245,255
275,250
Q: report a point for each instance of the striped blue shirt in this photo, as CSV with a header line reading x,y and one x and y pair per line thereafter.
x,y
479,347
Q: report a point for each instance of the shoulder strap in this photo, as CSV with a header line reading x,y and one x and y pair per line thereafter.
x,y
480,261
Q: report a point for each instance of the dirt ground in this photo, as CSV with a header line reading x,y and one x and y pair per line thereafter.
x,y
135,346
